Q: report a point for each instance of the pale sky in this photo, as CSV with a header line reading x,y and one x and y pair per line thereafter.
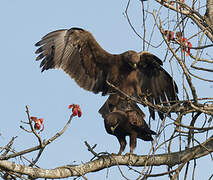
x,y
48,94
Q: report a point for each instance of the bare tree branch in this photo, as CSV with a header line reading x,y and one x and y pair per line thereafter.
x,y
112,160
192,14
39,147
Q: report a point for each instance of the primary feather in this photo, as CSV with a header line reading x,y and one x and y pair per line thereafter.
x,y
77,52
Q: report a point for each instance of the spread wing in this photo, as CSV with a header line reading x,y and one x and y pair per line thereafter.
x,y
155,82
76,52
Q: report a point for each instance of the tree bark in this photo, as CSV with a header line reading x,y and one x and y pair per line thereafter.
x,y
112,160
209,14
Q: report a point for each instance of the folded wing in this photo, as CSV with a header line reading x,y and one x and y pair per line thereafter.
x,y
156,84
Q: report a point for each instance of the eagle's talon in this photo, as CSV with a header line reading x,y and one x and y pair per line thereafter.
x,y
130,159
114,154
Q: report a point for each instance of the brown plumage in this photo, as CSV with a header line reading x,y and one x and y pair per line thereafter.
x,y
77,52
123,118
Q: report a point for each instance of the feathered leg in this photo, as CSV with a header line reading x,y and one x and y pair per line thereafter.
x,y
133,141
122,142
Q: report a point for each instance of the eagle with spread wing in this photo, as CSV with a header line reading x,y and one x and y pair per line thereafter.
x,y
123,118
77,52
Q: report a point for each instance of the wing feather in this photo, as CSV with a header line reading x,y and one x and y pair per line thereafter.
x,y
77,53
156,82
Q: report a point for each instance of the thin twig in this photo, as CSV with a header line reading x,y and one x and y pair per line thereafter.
x,y
44,144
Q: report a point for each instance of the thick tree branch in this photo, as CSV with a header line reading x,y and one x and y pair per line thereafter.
x,y
209,14
112,160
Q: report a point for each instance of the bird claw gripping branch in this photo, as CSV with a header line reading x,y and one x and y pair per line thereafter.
x,y
76,110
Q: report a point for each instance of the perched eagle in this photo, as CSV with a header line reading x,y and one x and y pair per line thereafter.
x,y
77,52
123,118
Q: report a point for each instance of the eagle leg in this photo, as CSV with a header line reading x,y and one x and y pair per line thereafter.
x,y
122,142
133,142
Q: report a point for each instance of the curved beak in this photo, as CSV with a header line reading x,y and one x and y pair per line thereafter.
x,y
113,128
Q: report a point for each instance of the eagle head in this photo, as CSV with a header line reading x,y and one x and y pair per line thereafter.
x,y
132,58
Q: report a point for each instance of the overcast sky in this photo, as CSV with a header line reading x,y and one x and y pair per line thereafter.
x,y
48,94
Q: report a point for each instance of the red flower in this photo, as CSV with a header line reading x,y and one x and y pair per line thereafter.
x,y
186,43
38,123
76,110
169,35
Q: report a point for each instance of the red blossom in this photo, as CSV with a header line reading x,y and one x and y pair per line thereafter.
x,y
180,38
187,44
33,118
38,123
169,35
41,120
76,110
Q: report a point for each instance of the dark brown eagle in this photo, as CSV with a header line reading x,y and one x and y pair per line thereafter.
x,y
77,52
124,118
